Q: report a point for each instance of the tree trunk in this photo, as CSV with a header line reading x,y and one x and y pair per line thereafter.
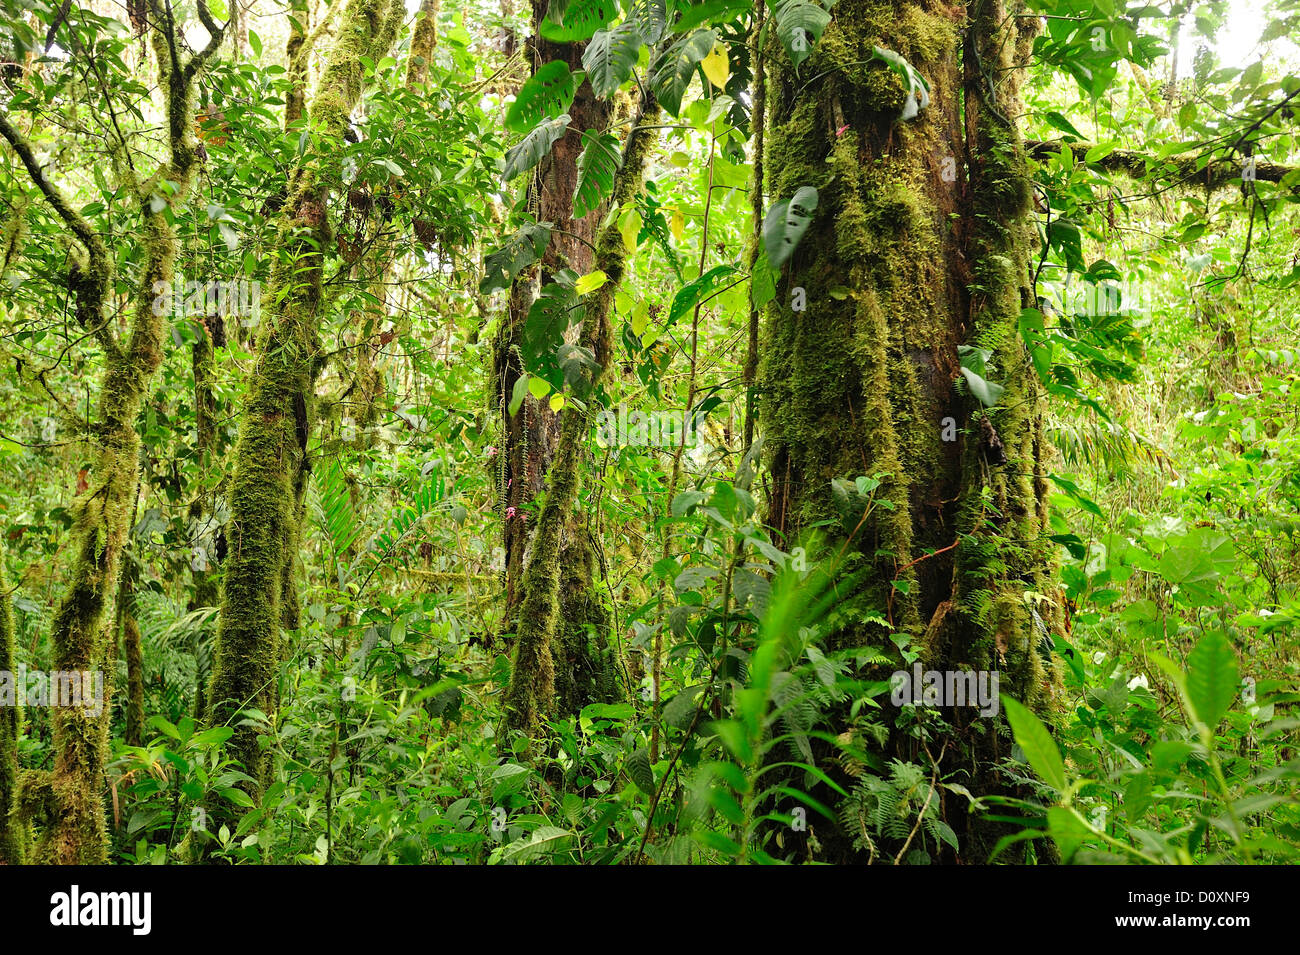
x,y
905,261
270,463
585,667
67,803
542,627
13,830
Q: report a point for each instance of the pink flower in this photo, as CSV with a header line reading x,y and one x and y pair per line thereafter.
x,y
840,132
491,451
510,512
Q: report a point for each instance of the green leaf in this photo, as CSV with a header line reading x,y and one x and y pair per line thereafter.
x,y
677,67
575,20
590,282
545,94
988,392
640,771
651,18
698,290
1212,678
520,251
785,224
517,394
1037,744
610,57
534,147
799,27
543,841
597,165
912,80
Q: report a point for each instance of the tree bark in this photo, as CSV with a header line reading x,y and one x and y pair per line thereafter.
x,y
906,260
585,668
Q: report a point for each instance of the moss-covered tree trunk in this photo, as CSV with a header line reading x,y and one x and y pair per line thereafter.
x,y
66,803
276,421
584,665
544,637
13,830
918,247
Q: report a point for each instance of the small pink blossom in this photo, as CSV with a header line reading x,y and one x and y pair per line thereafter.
x,y
491,451
840,132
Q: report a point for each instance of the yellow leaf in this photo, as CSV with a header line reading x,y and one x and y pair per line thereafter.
x,y
716,67
557,402
629,224
678,224
680,159
589,283
640,318
537,387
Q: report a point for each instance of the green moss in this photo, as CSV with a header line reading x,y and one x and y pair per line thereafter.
x,y
14,834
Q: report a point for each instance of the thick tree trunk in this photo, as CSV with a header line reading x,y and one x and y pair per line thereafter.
x,y
270,462
903,263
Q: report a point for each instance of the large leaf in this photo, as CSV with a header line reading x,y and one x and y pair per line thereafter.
x,y
520,251
1212,679
640,771
799,27
988,392
543,841
610,57
677,66
534,147
786,223
566,22
545,94
651,18
597,165
1037,744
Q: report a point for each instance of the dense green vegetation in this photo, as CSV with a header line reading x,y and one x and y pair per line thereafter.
x,y
458,432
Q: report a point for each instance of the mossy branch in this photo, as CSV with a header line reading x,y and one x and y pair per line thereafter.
x,y
1192,171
